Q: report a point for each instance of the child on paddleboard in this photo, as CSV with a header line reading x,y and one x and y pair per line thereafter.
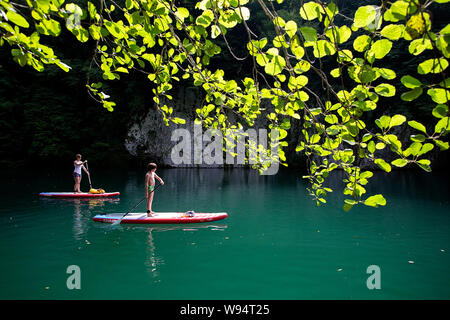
x,y
78,164
150,186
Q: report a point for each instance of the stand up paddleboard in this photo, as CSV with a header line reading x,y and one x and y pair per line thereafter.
x,y
160,217
78,195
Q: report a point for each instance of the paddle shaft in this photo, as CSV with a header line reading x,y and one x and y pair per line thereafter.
x,y
89,175
139,203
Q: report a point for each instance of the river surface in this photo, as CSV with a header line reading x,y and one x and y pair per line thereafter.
x,y
275,244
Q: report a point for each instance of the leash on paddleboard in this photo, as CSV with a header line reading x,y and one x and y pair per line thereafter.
x,y
120,220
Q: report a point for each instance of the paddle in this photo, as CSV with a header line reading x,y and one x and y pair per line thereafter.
x,y
89,175
92,190
120,220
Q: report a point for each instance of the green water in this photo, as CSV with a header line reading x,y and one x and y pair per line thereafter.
x,y
275,244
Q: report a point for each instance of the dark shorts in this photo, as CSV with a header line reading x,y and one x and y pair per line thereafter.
x,y
76,175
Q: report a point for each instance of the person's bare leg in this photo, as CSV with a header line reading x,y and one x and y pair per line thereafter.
x,y
149,205
78,184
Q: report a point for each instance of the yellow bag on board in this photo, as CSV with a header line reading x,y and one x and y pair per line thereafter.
x,y
96,191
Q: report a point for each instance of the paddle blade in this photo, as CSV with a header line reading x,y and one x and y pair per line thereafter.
x,y
118,221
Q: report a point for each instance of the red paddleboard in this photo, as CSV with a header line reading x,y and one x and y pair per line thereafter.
x,y
78,195
160,217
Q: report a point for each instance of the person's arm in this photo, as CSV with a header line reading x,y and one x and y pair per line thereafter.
x,y
147,178
160,180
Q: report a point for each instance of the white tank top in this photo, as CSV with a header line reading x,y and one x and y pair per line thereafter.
x,y
77,168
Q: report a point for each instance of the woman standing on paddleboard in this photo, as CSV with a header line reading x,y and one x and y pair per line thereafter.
x,y
78,164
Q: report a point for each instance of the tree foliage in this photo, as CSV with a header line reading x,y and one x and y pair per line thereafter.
x,y
349,54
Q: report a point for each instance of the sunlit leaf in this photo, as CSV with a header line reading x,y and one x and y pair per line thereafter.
x,y
375,201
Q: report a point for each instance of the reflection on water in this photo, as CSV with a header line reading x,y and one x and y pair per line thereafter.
x,y
82,213
154,261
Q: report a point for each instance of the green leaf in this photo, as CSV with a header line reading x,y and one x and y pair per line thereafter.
x,y
331,119
182,13
93,10
290,28
432,66
424,164
399,162
413,149
371,147
129,4
387,74
443,126
243,13
383,165
418,126
178,120
446,29
383,122
418,137
364,16
385,90
49,27
439,95
397,120
280,41
63,66
302,67
275,66
361,43
443,44
399,10
279,21
114,29
417,46
441,144
362,75
95,32
392,31
381,48
339,35
375,201
309,34
425,148
215,31
43,5
228,19
122,69
205,18
410,82
323,48
411,95
81,34
440,111
347,207
335,73
310,11
417,25
366,175
17,19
